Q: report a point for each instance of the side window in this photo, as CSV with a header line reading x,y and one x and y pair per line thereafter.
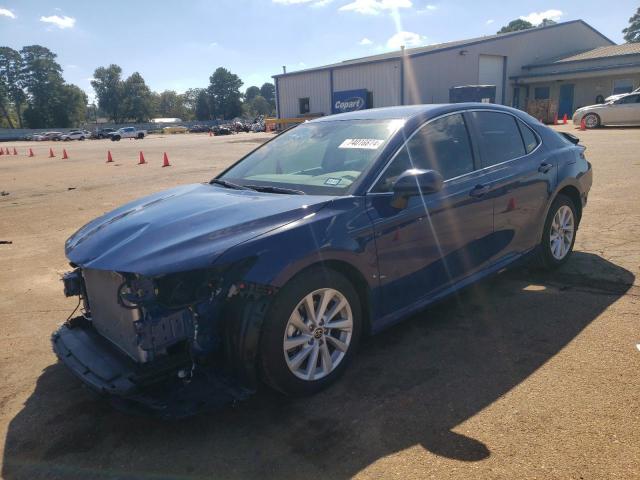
x,y
529,138
629,99
442,145
499,139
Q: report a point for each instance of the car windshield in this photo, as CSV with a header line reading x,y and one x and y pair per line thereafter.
x,y
317,158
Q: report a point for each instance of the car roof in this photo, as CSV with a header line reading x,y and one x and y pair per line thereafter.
x,y
406,112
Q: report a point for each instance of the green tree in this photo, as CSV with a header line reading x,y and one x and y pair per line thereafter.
x,y
632,32
258,106
515,25
202,110
107,83
11,80
42,77
268,91
71,106
224,94
136,98
171,104
251,93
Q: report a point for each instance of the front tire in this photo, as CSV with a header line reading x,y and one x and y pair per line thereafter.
x,y
591,120
559,234
311,332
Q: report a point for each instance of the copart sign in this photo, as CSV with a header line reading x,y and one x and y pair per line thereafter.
x,y
348,101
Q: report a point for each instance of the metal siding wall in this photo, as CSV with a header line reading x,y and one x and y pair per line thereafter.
x,y
429,77
314,85
383,79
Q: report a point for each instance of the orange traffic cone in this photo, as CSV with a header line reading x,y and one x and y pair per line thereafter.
x,y
141,162
64,154
31,153
165,161
6,151
564,119
15,152
109,158
51,154
583,125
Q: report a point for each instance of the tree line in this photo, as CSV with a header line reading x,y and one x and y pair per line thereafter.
x,y
33,94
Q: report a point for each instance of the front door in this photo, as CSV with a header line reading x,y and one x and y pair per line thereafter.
x,y
433,240
565,106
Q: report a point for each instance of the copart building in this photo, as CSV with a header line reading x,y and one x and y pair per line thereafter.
x,y
570,64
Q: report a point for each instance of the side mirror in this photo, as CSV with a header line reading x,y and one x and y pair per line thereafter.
x,y
417,182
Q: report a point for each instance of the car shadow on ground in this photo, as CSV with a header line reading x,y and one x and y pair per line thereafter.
x,y
412,384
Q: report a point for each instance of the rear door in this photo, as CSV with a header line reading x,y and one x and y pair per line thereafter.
x,y
629,109
521,178
437,239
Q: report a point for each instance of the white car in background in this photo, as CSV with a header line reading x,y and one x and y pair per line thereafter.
x,y
75,135
611,98
622,111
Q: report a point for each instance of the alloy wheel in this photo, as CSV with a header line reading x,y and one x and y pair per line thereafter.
x,y
562,232
318,334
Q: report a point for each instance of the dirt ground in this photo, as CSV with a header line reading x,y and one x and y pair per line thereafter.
x,y
525,375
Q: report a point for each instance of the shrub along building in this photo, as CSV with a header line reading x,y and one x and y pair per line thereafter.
x,y
568,65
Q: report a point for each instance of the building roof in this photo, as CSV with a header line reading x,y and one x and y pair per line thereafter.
x,y
603,52
437,48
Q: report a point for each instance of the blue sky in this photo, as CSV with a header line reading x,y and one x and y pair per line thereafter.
x,y
177,45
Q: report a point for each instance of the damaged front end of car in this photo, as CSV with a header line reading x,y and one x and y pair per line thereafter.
x,y
170,344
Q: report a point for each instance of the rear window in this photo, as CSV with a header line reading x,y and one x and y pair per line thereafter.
x,y
499,138
529,138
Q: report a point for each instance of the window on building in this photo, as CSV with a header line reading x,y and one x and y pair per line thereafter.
x,y
622,85
541,93
499,138
442,145
304,105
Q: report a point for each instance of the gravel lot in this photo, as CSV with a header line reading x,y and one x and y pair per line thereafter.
x,y
523,376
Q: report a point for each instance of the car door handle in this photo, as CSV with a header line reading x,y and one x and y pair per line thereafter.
x,y
545,167
479,191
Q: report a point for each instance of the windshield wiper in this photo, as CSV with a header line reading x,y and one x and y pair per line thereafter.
x,y
228,184
270,189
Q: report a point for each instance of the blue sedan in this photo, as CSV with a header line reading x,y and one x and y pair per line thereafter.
x,y
339,227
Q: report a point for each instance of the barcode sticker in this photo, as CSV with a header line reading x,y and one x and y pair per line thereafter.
x,y
366,143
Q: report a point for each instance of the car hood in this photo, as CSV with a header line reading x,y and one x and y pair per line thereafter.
x,y
593,107
184,228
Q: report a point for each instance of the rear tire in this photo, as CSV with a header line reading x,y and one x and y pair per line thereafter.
x,y
301,353
559,234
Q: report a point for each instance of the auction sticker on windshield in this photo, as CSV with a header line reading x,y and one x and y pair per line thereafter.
x,y
366,143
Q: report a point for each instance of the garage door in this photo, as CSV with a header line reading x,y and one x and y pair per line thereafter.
x,y
490,72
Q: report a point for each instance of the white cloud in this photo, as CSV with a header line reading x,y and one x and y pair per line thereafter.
x,y
365,41
5,12
213,44
60,22
537,17
321,3
374,7
408,39
490,21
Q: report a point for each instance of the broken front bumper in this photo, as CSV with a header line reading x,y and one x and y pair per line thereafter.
x,y
152,388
